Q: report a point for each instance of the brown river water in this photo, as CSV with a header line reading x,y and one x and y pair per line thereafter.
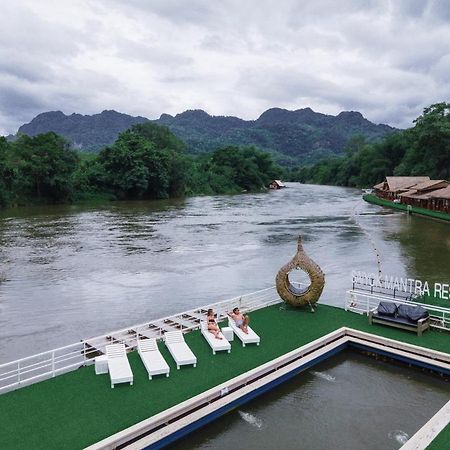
x,y
72,272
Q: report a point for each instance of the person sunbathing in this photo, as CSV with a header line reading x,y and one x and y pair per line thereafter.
x,y
240,320
212,324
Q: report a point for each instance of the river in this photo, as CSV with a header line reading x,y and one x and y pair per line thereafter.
x,y
72,272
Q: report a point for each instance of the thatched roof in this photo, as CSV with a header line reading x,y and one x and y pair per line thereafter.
x,y
396,184
430,184
440,193
379,186
411,193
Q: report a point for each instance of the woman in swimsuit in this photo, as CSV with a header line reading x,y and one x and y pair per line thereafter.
x,y
212,324
240,320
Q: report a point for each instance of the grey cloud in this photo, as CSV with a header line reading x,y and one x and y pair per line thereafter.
x,y
409,8
441,71
439,9
386,58
17,69
177,11
290,86
16,106
178,78
15,101
24,31
216,42
306,12
282,85
146,52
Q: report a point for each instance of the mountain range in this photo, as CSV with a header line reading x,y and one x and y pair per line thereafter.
x,y
292,136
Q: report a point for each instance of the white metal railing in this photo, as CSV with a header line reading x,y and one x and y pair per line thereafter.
x,y
364,302
41,366
29,370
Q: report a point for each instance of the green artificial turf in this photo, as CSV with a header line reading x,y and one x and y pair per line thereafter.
x,y
442,440
414,209
77,409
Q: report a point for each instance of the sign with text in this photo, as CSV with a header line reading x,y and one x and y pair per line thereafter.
x,y
400,284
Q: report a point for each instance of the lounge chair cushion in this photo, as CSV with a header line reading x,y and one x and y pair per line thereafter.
x,y
387,309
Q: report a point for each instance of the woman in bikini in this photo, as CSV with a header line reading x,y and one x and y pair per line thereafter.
x,y
212,324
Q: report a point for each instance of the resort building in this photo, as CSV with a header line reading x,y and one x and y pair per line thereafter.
x,y
420,194
392,187
416,191
276,184
440,200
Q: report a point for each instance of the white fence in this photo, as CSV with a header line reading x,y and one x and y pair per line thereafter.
x,y
363,302
29,370
49,364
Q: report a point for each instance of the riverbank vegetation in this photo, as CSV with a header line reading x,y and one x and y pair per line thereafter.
x,y
423,149
146,162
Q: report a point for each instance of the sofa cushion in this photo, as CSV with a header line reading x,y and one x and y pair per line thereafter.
x,y
403,311
416,313
395,319
387,309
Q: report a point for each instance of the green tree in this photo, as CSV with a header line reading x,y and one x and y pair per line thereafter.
x,y
6,174
123,166
235,169
171,151
43,166
355,144
429,153
147,161
161,137
421,150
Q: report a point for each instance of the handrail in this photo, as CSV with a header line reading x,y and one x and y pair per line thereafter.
x,y
362,302
51,363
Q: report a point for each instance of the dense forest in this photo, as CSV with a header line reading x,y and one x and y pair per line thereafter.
x,y
146,161
423,149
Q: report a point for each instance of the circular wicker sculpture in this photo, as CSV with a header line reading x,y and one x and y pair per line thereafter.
x,y
296,296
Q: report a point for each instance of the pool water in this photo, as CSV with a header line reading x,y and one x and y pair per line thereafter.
x,y
349,402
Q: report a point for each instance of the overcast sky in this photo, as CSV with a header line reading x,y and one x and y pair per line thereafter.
x,y
386,59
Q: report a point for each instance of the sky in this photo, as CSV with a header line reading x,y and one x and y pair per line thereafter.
x,y
386,59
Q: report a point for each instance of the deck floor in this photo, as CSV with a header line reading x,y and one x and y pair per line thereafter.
x,y
77,409
441,442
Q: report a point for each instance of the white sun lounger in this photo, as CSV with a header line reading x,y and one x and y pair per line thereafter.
x,y
152,358
217,345
178,348
118,365
246,338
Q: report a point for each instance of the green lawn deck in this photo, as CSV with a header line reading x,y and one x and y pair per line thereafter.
x,y
370,198
77,409
441,442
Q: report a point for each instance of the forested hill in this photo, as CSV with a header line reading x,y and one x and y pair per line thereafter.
x,y
292,136
89,133
423,149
